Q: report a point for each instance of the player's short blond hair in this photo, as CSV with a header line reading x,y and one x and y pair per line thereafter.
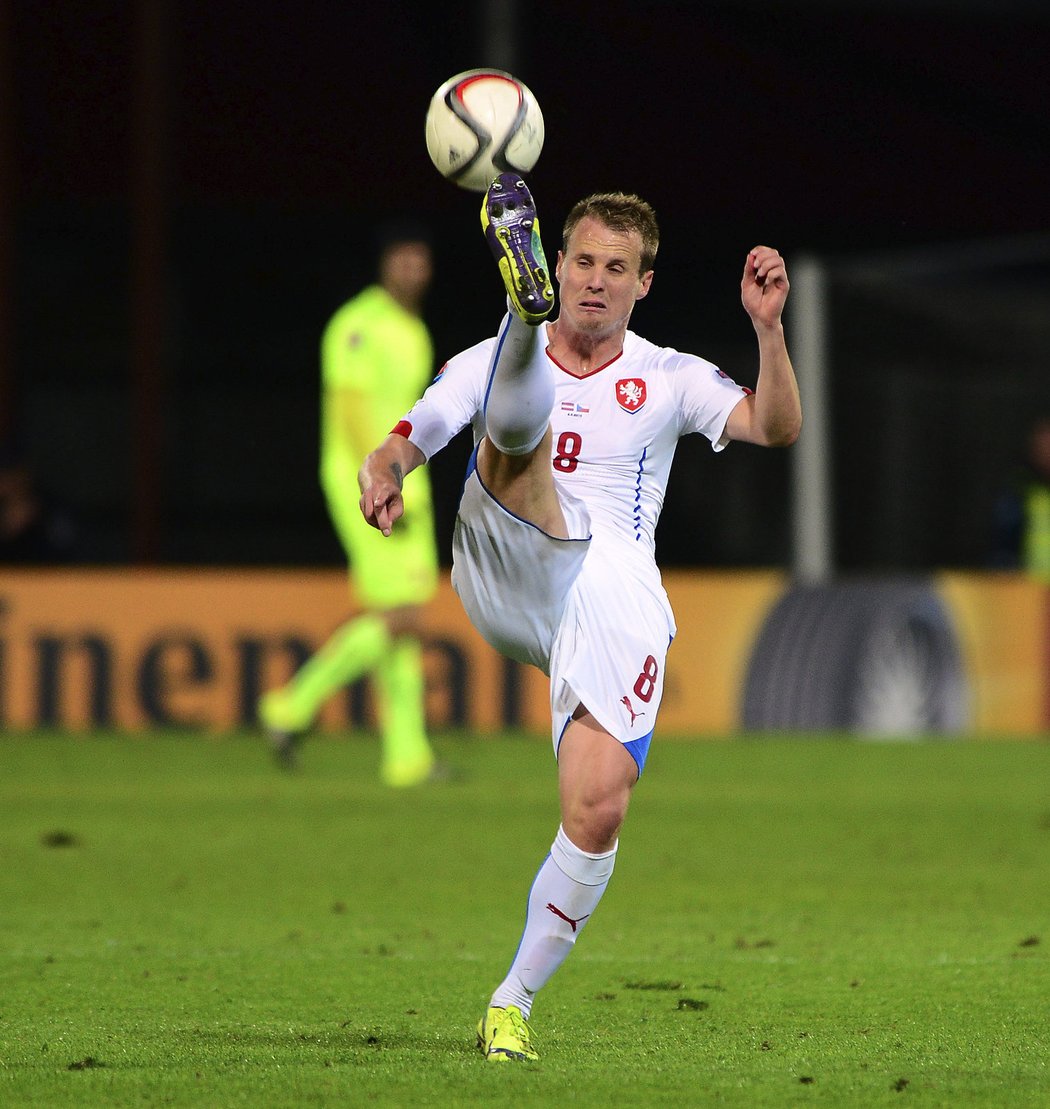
x,y
619,212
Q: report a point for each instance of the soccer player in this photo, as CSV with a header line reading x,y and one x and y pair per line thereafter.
x,y
376,360
576,423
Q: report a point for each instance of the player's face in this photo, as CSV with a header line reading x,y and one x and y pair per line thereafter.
x,y
406,271
600,279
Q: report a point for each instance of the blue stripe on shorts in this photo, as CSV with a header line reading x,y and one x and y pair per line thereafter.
x,y
638,749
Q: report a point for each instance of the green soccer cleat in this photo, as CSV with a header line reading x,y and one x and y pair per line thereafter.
x,y
512,231
405,773
505,1034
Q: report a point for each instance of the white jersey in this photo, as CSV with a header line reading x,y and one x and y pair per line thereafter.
x,y
614,430
590,609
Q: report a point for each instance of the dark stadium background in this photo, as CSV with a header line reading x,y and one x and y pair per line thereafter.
x,y
188,189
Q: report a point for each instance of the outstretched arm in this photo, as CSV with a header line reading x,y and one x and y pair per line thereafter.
x,y
773,416
381,477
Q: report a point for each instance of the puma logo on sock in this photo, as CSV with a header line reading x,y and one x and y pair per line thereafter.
x,y
568,919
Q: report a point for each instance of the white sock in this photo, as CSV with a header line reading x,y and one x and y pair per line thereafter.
x,y
567,889
520,391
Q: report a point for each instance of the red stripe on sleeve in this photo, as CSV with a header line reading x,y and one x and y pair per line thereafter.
x,y
403,428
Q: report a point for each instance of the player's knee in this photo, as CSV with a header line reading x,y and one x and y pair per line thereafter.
x,y
593,823
404,621
515,439
517,419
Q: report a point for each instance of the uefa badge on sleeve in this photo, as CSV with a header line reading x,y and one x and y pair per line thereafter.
x,y
630,393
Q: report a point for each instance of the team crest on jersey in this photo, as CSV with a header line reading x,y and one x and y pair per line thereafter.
x,y
630,393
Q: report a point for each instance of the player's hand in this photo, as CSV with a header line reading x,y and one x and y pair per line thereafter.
x,y
381,477
764,286
382,505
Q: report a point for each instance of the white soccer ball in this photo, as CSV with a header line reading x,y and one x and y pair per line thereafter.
x,y
482,123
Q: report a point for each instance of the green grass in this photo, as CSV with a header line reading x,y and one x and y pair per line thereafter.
x,y
790,923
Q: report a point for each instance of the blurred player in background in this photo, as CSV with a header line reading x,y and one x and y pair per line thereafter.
x,y
1022,513
376,360
575,424
35,526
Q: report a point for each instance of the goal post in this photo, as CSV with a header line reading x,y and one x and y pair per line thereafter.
x,y
811,504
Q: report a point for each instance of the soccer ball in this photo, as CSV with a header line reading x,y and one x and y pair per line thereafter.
x,y
482,123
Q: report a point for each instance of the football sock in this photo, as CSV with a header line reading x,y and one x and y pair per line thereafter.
x,y
520,391
565,893
400,696
351,651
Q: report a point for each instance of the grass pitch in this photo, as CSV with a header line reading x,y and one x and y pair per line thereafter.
x,y
790,923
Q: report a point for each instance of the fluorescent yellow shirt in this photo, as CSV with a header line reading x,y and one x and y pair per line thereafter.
x,y
1036,543
376,361
378,358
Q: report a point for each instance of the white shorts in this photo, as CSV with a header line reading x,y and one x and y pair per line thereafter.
x,y
589,614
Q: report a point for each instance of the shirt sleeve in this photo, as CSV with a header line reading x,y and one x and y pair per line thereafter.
x,y
351,354
706,396
452,401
